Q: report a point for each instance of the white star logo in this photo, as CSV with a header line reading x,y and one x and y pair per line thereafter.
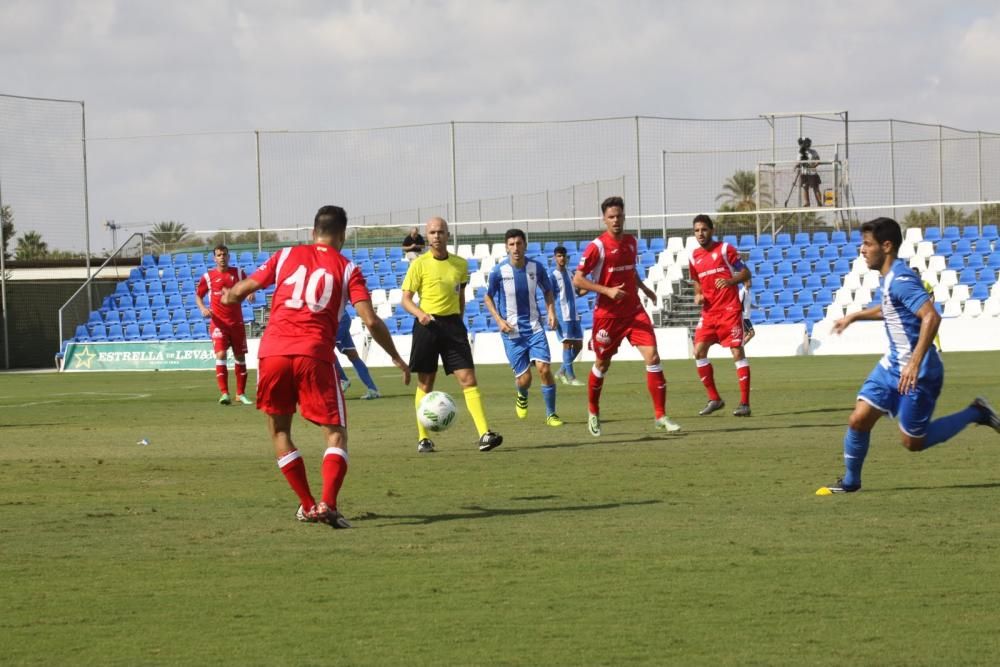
x,y
85,358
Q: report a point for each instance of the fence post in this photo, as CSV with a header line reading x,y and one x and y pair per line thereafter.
x,y
941,177
979,175
3,293
663,194
638,174
86,201
892,164
260,215
454,187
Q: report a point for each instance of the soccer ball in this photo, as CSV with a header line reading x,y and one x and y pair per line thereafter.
x,y
436,411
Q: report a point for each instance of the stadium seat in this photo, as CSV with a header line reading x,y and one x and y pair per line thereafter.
x,y
814,281
157,301
95,318
783,240
247,312
814,313
773,254
765,241
785,297
820,238
115,333
794,314
765,299
747,242
824,296
951,233
830,252
164,261
141,302
913,234
841,266
111,317
980,291
854,236
803,268
805,298
822,267
839,238
131,331
793,253
161,315
955,262
148,261
990,233
756,255
962,247
123,301
154,287
82,335
802,239
165,331
764,270
199,330
975,261
970,232
775,283
657,244
932,234
811,252
793,283
98,333
178,315
783,269
127,316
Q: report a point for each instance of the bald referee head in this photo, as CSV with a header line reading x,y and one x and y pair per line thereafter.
x,y
437,236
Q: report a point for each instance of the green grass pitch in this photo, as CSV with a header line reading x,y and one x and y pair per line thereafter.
x,y
706,547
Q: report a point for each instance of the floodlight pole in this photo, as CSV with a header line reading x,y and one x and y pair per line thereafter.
x,y
979,174
3,287
454,187
892,163
86,202
638,175
260,209
663,193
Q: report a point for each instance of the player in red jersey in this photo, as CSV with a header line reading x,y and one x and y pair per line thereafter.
x,y
314,284
717,272
611,261
227,323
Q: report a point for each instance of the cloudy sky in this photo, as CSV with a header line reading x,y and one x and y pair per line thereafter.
x,y
147,68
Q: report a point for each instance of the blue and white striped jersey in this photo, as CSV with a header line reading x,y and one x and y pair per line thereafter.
x,y
562,287
514,290
903,294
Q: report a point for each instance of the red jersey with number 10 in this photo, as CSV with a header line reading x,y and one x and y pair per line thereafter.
x,y
611,263
720,260
314,283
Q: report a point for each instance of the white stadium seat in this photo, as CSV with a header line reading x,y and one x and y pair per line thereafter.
x,y
906,250
972,308
691,244
487,264
929,277
852,281
666,258
499,251
481,251
918,264
674,273
464,250
655,274
477,279
395,296
948,277
863,297
384,310
960,292
991,308
952,308
914,235
942,294
871,280
925,249
859,266
834,312
843,297
936,263
675,244
378,297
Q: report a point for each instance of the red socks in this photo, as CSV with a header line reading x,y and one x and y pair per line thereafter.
x,y
334,471
594,385
222,375
657,386
743,375
241,378
294,469
707,375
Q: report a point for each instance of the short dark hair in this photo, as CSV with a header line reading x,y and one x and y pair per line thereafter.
x,y
614,200
701,217
884,229
221,246
513,234
330,220
559,250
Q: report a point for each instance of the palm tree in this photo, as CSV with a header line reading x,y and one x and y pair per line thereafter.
x,y
739,192
7,220
31,246
168,233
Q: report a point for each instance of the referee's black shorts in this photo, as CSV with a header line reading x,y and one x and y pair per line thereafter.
x,y
445,337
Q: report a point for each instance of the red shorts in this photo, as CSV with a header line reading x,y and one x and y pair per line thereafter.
x,y
229,336
726,329
609,332
311,383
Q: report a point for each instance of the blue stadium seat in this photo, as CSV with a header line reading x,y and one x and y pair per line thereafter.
x,y
361,254
975,261
199,330
993,261
970,232
783,269
962,247
182,259
111,317
154,287
833,280
756,255
821,267
814,281
144,316
178,315
830,252
138,287
171,287
764,269
150,273
124,301
148,261
731,239
814,313
115,333
157,301
951,233
932,234
395,253
805,298
174,300
758,316
182,331
262,257
765,299
775,283
980,291
187,287
82,335
140,302
245,257
127,316
165,261
855,236
775,315
535,248
840,238
165,331
658,245
824,297
783,240
774,255
131,331
990,233
247,312
122,288
168,273
134,275
161,315
821,238
642,245
956,262
803,268
95,318
98,333
793,254
811,252
841,266
794,314
378,253
747,242
802,239
793,283
982,246
478,324
765,241
786,297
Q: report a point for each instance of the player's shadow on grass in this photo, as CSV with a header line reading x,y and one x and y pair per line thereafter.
x,y
587,440
744,429
477,512
844,409
984,485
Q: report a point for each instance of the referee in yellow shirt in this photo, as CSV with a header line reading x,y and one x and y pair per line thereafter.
x,y
439,329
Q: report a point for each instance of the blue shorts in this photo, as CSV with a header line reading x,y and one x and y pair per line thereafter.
x,y
571,330
345,341
912,410
521,351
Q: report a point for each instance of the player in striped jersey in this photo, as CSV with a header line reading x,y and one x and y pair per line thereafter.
x,y
511,299
907,381
568,325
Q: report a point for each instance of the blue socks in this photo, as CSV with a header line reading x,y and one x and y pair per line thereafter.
x,y
362,370
567,364
855,450
549,395
948,427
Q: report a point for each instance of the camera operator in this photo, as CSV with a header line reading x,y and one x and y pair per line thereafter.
x,y
808,176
